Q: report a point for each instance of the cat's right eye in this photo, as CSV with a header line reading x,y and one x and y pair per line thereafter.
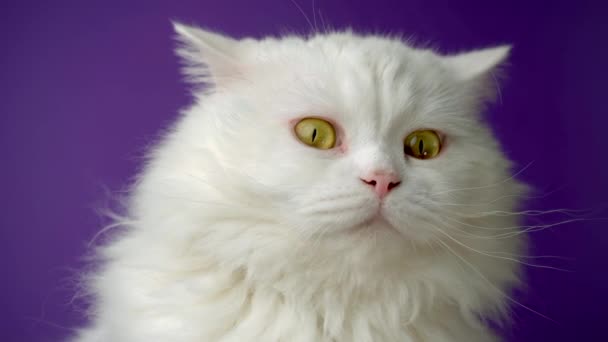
x,y
316,133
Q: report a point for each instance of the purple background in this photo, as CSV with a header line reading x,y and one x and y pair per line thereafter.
x,y
86,85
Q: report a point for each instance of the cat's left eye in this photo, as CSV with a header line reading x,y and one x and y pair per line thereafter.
x,y
316,132
423,144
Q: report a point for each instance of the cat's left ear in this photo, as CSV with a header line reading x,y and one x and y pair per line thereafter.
x,y
479,68
210,58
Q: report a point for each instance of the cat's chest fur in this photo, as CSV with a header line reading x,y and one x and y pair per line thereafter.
x,y
168,298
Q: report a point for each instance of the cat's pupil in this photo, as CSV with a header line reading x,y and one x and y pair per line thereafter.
x,y
421,147
314,134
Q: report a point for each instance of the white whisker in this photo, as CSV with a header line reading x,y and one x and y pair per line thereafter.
x,y
481,227
303,14
314,16
568,212
486,186
491,255
533,256
474,269
526,229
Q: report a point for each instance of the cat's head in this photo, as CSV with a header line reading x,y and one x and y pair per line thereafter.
x,y
337,134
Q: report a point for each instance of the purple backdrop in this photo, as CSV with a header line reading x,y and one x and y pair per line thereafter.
x,y
85,85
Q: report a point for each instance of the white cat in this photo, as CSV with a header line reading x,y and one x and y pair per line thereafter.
x,y
336,187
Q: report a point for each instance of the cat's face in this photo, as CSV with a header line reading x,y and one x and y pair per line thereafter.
x,y
373,93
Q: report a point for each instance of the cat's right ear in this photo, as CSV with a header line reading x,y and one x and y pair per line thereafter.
x,y
209,57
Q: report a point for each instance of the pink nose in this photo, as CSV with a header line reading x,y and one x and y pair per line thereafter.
x,y
382,182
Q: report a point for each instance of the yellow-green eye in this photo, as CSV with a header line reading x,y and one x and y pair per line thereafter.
x,y
423,144
317,133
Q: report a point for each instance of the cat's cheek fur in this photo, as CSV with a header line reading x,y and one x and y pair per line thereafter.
x,y
236,232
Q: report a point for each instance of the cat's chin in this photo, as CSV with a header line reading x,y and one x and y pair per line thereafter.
x,y
375,224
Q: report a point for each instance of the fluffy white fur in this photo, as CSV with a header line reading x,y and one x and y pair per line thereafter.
x,y
239,232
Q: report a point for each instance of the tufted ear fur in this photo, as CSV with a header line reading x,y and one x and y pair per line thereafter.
x,y
209,58
479,68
